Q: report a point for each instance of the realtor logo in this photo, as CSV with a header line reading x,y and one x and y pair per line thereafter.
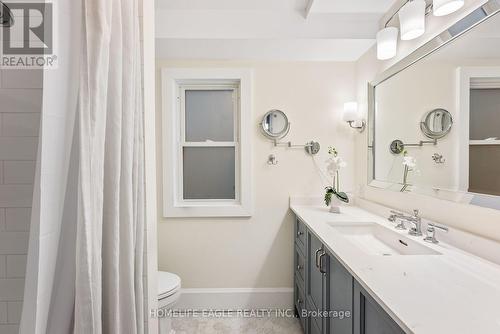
x,y
28,40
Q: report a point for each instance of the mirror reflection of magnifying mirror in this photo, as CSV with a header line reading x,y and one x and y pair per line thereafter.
x,y
436,123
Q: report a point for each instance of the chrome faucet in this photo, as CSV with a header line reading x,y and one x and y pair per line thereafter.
x,y
431,232
416,230
414,219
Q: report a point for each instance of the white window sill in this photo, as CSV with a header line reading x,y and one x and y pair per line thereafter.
x,y
206,210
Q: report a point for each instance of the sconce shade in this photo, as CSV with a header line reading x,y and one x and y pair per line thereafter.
x,y
387,43
445,7
350,112
412,19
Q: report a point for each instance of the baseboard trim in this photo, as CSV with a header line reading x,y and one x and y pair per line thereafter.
x,y
235,299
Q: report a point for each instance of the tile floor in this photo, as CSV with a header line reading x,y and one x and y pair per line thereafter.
x,y
236,325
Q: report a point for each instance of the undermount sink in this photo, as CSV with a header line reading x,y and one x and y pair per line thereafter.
x,y
375,239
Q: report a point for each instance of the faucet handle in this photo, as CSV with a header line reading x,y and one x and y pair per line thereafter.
x,y
392,216
431,232
442,228
416,212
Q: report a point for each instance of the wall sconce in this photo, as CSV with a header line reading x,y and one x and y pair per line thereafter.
x,y
352,116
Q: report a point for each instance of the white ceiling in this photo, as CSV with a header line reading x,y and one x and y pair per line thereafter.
x,y
231,4
318,6
316,30
265,49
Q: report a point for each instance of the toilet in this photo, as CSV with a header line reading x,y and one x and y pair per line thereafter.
x,y
169,287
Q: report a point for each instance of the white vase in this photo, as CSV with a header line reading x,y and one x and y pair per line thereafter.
x,y
335,204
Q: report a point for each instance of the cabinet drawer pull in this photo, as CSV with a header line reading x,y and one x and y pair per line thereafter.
x,y
316,257
299,267
299,302
299,233
321,262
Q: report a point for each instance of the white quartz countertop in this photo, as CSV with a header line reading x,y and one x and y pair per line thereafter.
x,y
455,292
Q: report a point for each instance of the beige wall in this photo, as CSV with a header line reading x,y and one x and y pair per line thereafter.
x,y
481,221
257,252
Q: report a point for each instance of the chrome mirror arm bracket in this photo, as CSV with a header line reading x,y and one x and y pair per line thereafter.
x,y
360,128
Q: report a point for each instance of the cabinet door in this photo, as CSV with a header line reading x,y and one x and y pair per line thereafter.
x,y
340,298
369,317
315,280
314,328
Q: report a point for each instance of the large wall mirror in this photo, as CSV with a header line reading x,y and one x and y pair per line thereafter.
x,y
435,116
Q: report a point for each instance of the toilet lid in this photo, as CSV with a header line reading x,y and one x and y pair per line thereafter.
x,y
168,283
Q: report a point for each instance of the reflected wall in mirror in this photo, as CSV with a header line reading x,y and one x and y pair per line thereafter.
x,y
452,96
275,124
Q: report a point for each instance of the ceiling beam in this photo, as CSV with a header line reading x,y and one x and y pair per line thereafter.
x,y
308,9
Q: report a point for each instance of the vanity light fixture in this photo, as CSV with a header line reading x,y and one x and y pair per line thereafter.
x,y
445,7
412,19
412,15
387,43
352,117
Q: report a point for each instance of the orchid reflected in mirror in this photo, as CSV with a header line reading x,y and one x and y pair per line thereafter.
x,y
410,164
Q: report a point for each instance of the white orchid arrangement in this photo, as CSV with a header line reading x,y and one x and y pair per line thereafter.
x,y
333,166
410,164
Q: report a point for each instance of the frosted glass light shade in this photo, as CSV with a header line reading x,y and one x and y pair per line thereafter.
x,y
412,19
445,7
387,43
350,112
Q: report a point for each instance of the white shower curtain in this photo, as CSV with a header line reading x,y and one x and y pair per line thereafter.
x,y
85,261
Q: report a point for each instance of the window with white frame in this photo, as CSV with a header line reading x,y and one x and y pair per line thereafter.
x,y
206,140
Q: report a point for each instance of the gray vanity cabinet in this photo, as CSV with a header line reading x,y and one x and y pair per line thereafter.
x,y
322,283
369,317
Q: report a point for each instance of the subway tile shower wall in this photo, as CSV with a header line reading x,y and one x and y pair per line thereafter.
x,y
20,107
